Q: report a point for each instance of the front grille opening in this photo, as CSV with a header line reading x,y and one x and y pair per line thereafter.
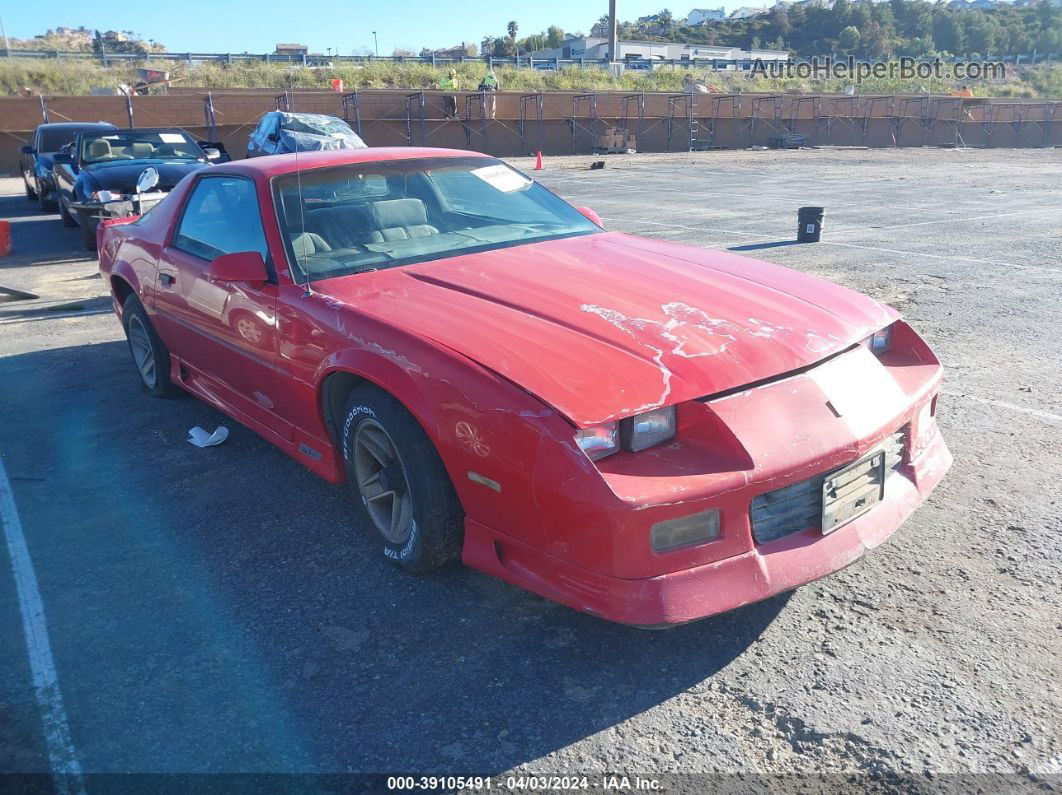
x,y
798,507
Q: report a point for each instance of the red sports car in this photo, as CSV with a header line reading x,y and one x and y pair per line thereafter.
x,y
643,430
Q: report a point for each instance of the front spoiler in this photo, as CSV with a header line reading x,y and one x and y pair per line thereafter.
x,y
702,591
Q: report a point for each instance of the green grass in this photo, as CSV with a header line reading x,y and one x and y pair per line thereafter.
x,y
52,77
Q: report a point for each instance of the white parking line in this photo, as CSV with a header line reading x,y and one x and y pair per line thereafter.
x,y
66,770
951,220
1043,415
959,258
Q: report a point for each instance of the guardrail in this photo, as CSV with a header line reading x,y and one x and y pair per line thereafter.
x,y
520,62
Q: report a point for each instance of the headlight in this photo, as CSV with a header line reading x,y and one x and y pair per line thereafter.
x,y
632,434
645,430
880,341
105,196
599,441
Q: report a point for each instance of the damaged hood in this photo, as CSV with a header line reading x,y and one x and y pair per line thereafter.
x,y
607,325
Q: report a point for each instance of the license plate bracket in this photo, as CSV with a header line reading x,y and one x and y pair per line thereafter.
x,y
851,491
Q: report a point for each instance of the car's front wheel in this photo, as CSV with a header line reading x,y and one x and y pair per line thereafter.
x,y
88,230
47,205
400,486
65,216
149,353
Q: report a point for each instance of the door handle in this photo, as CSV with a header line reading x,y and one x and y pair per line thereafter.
x,y
167,279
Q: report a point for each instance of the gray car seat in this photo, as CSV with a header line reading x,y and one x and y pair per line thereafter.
x,y
400,219
344,226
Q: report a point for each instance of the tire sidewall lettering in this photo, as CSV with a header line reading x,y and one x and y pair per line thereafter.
x,y
407,549
356,413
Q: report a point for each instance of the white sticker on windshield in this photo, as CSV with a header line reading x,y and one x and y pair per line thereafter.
x,y
171,138
502,178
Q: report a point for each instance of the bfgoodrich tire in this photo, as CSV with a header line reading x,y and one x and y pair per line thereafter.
x,y
150,356
401,490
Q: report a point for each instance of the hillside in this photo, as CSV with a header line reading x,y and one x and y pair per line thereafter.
x,y
52,77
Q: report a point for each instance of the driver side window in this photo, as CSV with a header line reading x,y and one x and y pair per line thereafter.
x,y
221,217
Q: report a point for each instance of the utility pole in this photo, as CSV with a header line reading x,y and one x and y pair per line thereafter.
x,y
3,33
613,32
376,43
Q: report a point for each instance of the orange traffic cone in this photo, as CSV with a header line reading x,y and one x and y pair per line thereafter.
x,y
538,161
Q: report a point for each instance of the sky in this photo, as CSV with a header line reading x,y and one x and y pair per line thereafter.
x,y
258,25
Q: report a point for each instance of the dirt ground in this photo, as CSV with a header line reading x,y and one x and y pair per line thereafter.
x,y
215,611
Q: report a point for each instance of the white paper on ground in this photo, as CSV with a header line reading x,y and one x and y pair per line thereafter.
x,y
200,438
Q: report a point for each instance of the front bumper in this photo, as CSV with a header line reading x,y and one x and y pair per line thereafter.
x,y
701,591
119,208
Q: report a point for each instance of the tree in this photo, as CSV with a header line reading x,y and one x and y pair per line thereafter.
x,y
487,45
554,36
779,22
849,39
512,28
876,41
948,33
981,35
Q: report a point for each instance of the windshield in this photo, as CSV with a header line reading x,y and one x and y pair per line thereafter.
x,y
368,216
139,145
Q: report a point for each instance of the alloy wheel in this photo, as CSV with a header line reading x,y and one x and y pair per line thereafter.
x,y
143,354
382,482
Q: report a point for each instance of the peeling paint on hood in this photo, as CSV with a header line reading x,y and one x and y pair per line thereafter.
x,y
607,325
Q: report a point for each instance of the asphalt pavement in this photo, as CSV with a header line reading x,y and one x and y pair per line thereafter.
x,y
216,610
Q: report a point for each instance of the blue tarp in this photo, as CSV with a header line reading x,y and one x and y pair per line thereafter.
x,y
306,132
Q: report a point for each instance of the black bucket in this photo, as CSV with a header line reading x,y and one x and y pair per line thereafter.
x,y
809,224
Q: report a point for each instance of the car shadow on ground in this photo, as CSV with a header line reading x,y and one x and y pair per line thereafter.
x,y
216,610
38,237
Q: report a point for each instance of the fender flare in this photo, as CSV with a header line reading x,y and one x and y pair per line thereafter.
x,y
387,371
123,271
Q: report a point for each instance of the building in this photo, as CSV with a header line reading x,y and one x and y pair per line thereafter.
x,y
297,50
457,51
745,12
596,48
701,16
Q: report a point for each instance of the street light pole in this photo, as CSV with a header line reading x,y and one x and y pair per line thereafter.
x,y
3,33
613,31
376,43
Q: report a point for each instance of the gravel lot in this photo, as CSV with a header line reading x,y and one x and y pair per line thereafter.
x,y
215,610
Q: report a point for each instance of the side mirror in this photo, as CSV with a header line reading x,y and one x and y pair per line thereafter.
x,y
26,150
62,157
147,180
242,266
592,216
212,153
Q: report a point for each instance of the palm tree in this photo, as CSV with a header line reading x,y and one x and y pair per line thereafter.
x,y
511,27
